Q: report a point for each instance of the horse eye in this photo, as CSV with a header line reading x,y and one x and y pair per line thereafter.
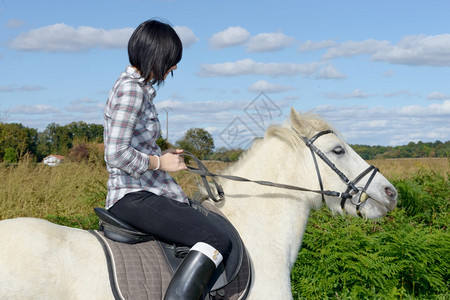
x,y
339,150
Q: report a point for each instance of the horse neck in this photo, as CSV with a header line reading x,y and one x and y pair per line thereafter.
x,y
271,221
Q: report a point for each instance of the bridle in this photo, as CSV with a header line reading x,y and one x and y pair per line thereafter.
x,y
348,194
351,185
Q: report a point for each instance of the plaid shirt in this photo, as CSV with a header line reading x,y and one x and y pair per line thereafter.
x,y
131,130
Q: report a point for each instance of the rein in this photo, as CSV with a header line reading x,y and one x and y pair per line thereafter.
x,y
203,172
348,194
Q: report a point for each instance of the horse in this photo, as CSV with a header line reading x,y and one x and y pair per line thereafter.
x,y
39,259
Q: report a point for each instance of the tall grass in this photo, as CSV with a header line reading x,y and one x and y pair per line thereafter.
x,y
65,194
403,168
35,190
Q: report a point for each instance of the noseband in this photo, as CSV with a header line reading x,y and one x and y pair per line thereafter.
x,y
351,185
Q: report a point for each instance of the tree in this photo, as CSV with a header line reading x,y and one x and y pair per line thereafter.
x,y
198,141
17,137
226,155
10,155
60,138
162,143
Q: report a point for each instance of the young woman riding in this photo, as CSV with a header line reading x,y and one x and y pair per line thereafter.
x,y
140,190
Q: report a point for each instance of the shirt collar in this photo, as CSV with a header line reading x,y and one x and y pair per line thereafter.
x,y
133,73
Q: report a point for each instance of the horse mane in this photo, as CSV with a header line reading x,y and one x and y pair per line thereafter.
x,y
304,124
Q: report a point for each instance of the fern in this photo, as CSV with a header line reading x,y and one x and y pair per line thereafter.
x,y
402,256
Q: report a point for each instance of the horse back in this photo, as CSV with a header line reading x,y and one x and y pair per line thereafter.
x,y
39,259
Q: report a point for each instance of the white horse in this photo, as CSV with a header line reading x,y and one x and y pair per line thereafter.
x,y
41,260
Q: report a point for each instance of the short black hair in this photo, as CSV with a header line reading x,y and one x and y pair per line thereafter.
x,y
153,48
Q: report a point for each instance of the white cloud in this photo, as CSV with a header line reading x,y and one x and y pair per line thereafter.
x,y
250,67
263,42
355,94
23,88
411,50
267,87
390,126
85,105
401,93
267,42
187,36
65,38
231,36
388,73
438,96
314,45
195,107
352,48
435,109
330,72
38,109
14,23
418,50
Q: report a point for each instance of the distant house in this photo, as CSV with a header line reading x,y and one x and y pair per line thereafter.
x,y
53,160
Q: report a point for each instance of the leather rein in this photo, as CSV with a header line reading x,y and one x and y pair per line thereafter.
x,y
351,190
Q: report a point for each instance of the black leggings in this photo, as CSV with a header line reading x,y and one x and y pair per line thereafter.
x,y
170,220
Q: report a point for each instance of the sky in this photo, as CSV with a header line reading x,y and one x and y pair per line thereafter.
x,y
378,71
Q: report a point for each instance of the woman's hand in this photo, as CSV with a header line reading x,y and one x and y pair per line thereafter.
x,y
172,161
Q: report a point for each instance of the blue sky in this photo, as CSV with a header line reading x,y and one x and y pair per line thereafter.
x,y
379,71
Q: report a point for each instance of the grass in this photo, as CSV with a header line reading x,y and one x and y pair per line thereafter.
x,y
405,168
36,190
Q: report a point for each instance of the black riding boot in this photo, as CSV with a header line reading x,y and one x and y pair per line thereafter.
x,y
194,273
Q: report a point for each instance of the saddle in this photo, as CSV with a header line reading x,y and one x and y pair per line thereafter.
x,y
230,281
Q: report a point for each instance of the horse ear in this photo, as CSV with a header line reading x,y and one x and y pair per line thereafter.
x,y
296,120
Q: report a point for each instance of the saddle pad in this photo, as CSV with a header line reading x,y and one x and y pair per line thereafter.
x,y
142,271
136,271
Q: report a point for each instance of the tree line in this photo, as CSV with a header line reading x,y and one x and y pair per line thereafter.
x,y
18,141
411,150
79,139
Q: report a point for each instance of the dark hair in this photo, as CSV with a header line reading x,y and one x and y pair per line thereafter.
x,y
153,48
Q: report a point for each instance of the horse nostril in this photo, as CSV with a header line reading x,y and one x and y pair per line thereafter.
x,y
391,193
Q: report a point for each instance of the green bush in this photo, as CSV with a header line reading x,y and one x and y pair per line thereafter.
x,y
402,256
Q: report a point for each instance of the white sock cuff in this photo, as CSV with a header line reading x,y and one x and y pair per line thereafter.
x,y
209,251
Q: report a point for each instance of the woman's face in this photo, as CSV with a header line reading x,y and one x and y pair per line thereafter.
x,y
170,70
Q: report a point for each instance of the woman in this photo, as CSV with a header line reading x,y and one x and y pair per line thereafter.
x,y
140,191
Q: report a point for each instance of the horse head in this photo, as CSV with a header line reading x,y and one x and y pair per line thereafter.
x,y
362,189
